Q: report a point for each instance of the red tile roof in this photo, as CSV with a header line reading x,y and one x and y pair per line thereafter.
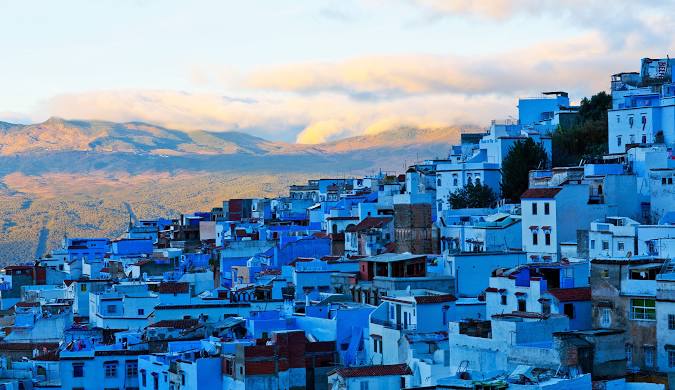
x,y
541,193
370,223
390,247
380,370
342,218
28,304
173,288
176,324
571,294
435,298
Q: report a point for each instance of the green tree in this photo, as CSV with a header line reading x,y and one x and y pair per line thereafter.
x,y
472,196
523,157
588,136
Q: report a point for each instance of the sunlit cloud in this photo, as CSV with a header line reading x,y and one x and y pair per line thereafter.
x,y
318,101
305,119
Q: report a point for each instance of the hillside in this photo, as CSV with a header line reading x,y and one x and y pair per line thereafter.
x,y
86,177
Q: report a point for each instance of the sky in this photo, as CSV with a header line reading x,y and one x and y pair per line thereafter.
x,y
312,70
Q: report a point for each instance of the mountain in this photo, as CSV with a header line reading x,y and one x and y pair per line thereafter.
x,y
76,146
57,134
87,178
60,135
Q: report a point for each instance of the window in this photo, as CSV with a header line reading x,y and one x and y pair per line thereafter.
x,y
363,385
663,180
605,245
83,287
671,321
547,238
671,358
605,317
132,369
604,273
644,138
547,208
670,180
504,299
78,370
438,183
546,307
649,355
110,369
643,309
619,246
454,180
631,121
144,381
618,140
141,312
568,309
477,180
618,119
592,244
629,354
535,238
111,309
522,304
377,344
534,209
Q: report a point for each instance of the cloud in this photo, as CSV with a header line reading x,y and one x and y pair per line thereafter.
x,y
305,119
619,21
312,102
578,64
317,102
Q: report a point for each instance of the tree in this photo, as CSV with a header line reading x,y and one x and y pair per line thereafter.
x,y
523,156
472,196
588,136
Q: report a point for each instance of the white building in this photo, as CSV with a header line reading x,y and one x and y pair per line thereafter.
x,y
613,237
102,367
665,322
643,109
125,306
551,216
506,341
656,240
416,312
662,192
485,233
394,376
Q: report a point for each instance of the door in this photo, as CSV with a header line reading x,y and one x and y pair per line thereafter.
x,y
398,314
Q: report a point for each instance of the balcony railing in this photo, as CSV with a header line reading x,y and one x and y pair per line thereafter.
x,y
393,325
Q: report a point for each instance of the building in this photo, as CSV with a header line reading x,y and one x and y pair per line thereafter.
x,y
393,376
552,216
288,361
642,110
546,289
414,312
624,297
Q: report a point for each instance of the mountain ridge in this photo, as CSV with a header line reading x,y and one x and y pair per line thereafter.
x,y
58,134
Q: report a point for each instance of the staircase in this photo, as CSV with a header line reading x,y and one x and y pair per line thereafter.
x,y
668,266
462,368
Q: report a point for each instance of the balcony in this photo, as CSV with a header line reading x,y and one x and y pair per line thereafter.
x,y
393,325
638,287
